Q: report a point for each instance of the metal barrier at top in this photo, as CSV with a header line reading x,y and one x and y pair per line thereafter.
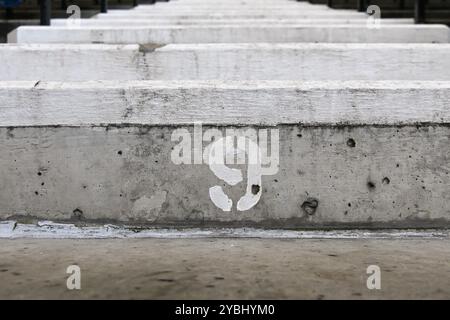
x,y
45,8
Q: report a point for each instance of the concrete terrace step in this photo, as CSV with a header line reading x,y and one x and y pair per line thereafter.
x,y
233,34
231,14
351,154
146,22
265,61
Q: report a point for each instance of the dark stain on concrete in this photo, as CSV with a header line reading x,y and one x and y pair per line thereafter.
x,y
150,47
255,189
77,214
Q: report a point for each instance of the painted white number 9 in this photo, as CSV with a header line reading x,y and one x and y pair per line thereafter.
x,y
233,176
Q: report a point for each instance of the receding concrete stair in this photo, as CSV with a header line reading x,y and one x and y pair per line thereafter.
x,y
345,33
243,61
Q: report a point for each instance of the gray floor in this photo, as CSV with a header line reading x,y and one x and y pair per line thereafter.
x,y
225,268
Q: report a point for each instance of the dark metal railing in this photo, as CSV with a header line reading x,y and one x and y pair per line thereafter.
x,y
419,11
45,12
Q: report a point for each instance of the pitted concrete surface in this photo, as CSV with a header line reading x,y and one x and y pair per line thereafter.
x,y
225,269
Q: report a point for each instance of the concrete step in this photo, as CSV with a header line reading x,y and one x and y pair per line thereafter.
x,y
289,14
233,34
226,62
156,22
231,268
342,154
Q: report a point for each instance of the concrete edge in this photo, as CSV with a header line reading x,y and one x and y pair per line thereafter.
x,y
52,230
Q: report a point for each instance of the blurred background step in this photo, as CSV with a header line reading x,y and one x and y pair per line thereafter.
x,y
294,61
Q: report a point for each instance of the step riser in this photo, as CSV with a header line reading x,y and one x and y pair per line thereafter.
x,y
393,177
227,62
234,34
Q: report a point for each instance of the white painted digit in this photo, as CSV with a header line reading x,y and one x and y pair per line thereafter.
x,y
224,149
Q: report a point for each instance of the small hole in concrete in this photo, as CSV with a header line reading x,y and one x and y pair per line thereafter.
x,y
39,173
351,143
386,180
255,189
371,185
77,214
119,152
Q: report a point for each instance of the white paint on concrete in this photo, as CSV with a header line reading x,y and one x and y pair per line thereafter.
x,y
220,199
232,34
51,230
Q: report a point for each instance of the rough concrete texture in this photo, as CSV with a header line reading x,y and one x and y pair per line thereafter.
x,y
312,61
383,4
222,103
341,177
225,269
233,34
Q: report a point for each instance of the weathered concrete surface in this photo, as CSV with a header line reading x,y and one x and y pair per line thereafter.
x,y
102,151
225,269
73,62
393,177
145,22
383,4
232,34
225,61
